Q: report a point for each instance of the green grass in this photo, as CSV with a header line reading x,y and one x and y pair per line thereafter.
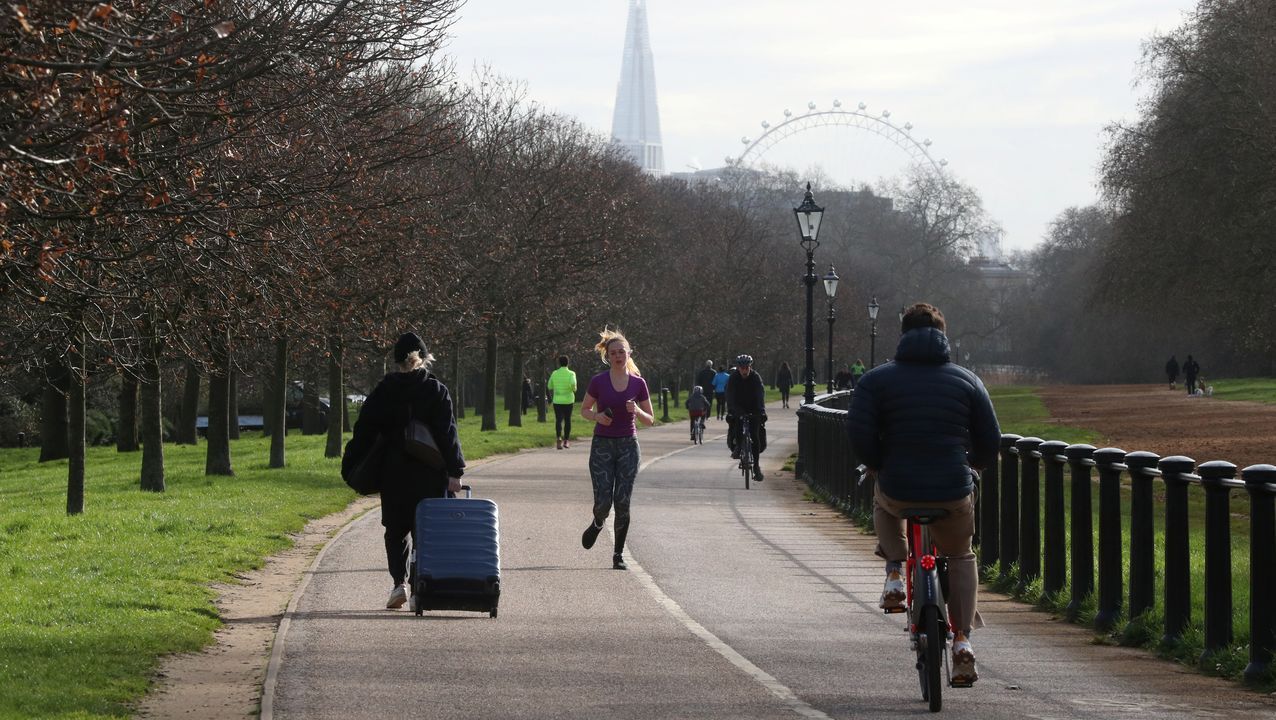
x,y
1253,389
1020,411
90,603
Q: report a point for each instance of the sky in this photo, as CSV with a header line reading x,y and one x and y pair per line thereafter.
x,y
1014,94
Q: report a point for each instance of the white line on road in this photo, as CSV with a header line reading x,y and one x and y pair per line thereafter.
x,y
775,687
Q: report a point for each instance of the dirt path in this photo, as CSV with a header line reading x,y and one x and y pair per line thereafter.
x,y
1156,419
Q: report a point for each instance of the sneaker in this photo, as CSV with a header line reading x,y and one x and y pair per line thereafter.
x,y
757,474
413,603
735,454
566,444
558,444
964,672
893,593
588,537
398,596
618,562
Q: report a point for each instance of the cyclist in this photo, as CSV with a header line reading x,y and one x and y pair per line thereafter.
x,y
698,407
921,423
746,396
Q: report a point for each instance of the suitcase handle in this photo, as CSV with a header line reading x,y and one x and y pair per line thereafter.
x,y
468,491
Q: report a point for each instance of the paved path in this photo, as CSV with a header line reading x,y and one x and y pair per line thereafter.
x,y
739,604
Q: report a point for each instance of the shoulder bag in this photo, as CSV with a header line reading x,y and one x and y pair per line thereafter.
x,y
418,442
365,478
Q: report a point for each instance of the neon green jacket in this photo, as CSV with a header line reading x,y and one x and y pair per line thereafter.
x,y
562,386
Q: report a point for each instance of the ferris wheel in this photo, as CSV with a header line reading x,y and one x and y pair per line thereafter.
x,y
879,124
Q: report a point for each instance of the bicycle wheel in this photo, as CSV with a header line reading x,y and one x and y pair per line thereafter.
x,y
930,658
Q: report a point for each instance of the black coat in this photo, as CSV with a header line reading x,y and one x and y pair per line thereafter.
x,y
405,480
704,379
784,378
746,396
921,422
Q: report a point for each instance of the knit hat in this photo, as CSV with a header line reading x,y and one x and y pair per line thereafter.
x,y
408,342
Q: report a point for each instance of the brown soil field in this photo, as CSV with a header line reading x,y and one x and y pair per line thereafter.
x,y
1168,422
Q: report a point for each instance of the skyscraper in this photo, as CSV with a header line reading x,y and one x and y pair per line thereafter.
x,y
635,124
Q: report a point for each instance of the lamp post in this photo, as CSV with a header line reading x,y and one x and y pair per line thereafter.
x,y
958,351
808,216
830,289
872,344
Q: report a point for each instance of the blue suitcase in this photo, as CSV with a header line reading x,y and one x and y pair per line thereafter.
x,y
457,563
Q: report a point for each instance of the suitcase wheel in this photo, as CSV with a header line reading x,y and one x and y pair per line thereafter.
x,y
492,612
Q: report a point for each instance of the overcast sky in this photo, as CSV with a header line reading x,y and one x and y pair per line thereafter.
x,y
1014,94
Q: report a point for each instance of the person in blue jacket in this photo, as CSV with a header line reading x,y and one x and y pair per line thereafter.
x,y
924,425
720,390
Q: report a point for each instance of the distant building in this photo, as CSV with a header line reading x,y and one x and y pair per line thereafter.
x,y
635,124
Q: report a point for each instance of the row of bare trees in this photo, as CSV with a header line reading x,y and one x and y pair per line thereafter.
x,y
224,191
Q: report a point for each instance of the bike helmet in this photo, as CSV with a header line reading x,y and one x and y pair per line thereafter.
x,y
744,360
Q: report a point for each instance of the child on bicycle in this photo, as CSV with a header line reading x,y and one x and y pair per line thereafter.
x,y
921,423
697,407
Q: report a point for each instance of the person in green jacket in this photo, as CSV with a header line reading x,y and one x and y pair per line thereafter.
x,y
857,370
562,392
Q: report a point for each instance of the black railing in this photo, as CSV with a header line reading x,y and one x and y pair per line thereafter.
x,y
1020,523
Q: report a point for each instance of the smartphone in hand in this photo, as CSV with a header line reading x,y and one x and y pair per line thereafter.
x,y
608,413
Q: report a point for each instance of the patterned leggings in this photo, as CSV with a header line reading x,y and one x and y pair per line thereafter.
x,y
613,465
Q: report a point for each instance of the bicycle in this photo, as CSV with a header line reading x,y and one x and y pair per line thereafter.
x,y
745,445
697,430
930,631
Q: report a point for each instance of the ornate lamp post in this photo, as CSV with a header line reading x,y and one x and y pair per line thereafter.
x,y
830,289
872,344
808,216
959,351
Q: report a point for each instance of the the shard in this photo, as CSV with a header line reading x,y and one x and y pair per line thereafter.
x,y
635,124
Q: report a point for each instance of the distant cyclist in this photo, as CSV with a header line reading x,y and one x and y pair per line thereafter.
x,y
921,423
746,396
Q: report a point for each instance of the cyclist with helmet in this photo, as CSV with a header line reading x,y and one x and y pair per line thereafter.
x,y
746,395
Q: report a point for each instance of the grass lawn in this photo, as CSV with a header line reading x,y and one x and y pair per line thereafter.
x,y
88,604
1254,389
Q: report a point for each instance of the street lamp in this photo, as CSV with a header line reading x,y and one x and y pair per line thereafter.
x,y
872,345
901,315
808,216
958,351
830,289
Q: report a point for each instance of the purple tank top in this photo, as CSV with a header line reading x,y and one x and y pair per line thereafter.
x,y
622,421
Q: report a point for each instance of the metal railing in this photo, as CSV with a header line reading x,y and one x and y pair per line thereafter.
x,y
1021,520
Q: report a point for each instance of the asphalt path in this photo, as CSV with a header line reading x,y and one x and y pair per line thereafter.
x,y
738,604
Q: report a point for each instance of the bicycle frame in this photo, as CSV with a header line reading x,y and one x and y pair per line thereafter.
x,y
923,586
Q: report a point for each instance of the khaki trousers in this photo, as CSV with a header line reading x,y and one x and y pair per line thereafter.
x,y
952,536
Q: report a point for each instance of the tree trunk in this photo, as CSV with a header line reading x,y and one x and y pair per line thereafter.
x,y
311,420
126,428
458,385
277,385
516,389
540,389
185,433
268,408
489,382
75,431
217,457
152,422
336,398
53,432
234,403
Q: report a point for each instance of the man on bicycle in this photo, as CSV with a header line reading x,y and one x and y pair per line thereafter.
x,y
746,396
922,423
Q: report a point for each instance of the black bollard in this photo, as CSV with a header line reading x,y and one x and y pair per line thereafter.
x,y
664,404
1216,477
1110,466
1176,472
1009,551
989,522
1054,551
1259,481
1029,510
1080,460
1142,468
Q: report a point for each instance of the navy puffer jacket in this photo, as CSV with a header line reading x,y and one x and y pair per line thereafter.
x,y
921,422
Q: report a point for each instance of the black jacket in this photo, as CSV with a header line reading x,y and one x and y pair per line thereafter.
x,y
704,379
746,396
386,412
784,378
921,422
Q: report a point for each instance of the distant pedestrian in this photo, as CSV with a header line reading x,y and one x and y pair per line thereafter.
x,y
22,439
527,394
1190,370
844,380
562,392
704,378
857,371
615,399
720,390
1172,371
784,381
409,393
